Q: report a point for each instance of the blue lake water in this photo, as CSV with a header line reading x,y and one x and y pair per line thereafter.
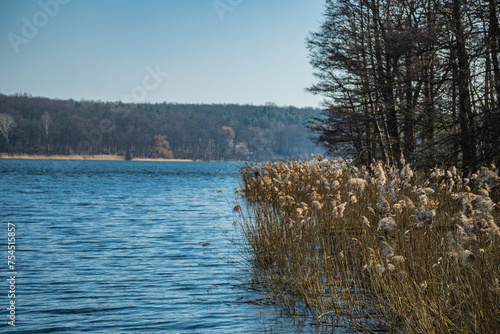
x,y
117,247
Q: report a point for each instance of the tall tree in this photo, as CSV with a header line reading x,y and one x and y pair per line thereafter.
x,y
463,80
46,121
7,123
412,79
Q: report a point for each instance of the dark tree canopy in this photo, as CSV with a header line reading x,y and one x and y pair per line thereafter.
x,y
164,130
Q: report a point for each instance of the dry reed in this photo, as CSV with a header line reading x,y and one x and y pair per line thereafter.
x,y
376,248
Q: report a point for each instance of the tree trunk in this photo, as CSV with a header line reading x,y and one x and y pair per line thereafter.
x,y
466,119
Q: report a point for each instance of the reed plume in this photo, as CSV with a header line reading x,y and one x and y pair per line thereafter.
x,y
390,249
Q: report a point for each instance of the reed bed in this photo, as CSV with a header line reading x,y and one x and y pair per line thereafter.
x,y
376,248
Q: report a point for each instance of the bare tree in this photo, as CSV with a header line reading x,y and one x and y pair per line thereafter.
x,y
46,122
466,119
7,123
418,79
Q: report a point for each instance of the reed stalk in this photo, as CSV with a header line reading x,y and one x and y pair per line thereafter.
x,y
376,248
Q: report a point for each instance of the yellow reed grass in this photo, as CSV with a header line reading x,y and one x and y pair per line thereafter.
x,y
376,247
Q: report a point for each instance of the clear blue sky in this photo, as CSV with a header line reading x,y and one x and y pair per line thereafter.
x,y
186,51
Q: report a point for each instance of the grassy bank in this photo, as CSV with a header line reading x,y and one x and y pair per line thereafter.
x,y
377,248
79,157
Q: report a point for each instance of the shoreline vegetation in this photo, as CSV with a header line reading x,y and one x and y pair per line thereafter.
x,y
102,157
375,248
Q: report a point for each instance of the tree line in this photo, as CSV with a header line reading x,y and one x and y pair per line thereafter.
x,y
409,79
35,125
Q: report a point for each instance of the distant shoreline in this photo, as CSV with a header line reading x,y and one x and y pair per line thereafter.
x,y
102,157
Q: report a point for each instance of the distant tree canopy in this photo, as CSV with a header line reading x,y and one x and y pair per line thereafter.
x,y
165,130
412,79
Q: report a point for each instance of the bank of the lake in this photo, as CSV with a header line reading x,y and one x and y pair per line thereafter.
x,y
102,157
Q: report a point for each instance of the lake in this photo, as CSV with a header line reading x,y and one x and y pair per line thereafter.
x,y
118,247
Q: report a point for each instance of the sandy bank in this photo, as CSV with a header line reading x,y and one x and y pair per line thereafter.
x,y
79,157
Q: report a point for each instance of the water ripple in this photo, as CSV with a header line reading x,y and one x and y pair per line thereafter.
x,y
116,247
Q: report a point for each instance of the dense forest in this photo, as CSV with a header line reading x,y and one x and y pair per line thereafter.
x,y
34,125
412,79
